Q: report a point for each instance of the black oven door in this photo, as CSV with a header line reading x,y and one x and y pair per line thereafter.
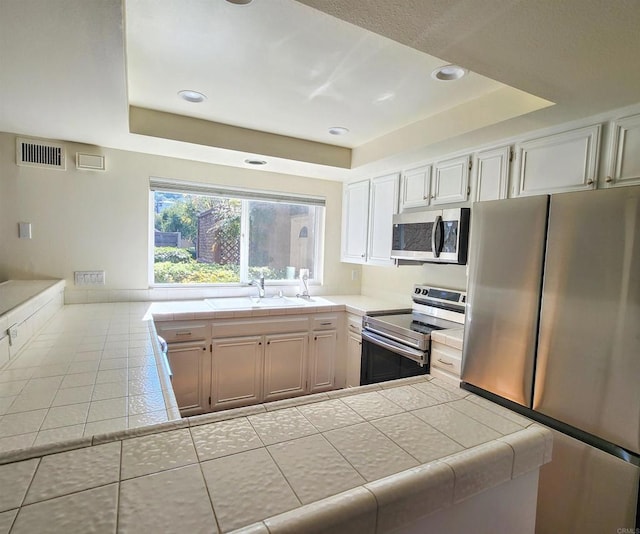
x,y
383,361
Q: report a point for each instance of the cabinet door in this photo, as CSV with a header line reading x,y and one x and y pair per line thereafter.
x,y
450,181
415,188
191,367
384,204
322,361
557,163
237,372
492,173
355,213
285,366
625,152
354,357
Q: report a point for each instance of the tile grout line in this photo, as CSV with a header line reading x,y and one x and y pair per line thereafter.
x,y
204,479
119,488
485,424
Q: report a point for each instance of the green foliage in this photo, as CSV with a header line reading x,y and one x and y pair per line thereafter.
x,y
269,273
182,216
195,273
173,255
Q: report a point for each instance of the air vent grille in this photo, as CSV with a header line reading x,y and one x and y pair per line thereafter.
x,y
40,154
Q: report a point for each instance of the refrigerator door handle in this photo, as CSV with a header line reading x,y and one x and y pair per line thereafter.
x,y
437,240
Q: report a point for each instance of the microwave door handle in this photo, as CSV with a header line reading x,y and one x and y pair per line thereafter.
x,y
436,237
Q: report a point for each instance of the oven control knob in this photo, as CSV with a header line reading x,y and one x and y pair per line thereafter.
x,y
425,291
417,291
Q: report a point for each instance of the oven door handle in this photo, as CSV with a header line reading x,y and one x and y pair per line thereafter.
x,y
407,352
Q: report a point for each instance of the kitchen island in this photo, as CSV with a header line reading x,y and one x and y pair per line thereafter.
x,y
402,456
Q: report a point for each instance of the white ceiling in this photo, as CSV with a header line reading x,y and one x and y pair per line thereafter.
x,y
283,67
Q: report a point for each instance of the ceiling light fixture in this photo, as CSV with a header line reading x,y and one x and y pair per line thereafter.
x,y
338,130
448,73
255,161
192,96
240,2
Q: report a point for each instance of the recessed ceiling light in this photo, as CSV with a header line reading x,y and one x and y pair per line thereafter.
x,y
240,2
191,96
338,130
448,73
255,161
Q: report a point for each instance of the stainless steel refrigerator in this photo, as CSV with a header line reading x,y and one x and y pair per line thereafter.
x,y
553,331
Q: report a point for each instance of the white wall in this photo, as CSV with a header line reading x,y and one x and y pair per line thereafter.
x,y
396,283
89,220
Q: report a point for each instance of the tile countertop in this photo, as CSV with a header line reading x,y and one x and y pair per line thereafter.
x,y
93,368
452,337
358,459
97,368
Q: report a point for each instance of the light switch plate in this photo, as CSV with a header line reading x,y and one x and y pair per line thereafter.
x,y
24,230
88,278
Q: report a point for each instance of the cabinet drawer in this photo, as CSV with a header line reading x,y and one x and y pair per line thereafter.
x,y
446,358
324,322
354,324
183,331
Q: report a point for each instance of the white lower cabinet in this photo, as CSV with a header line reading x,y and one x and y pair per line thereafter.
x,y
354,350
190,361
236,378
322,360
190,364
285,366
285,356
446,356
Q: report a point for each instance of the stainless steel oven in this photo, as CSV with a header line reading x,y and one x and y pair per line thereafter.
x,y
397,345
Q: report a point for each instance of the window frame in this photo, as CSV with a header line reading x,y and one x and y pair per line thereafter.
x,y
207,189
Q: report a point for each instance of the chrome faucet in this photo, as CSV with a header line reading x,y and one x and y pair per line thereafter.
x,y
260,285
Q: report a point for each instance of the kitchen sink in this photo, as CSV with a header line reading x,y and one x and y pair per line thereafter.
x,y
239,303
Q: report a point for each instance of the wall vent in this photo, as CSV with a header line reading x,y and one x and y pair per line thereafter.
x,y
36,153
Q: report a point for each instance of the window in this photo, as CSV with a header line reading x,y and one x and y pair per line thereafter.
x,y
208,235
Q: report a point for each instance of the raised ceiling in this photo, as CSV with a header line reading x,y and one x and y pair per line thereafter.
x,y
107,72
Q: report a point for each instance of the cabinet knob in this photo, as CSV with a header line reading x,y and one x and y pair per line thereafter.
x,y
609,179
426,197
433,196
589,182
362,255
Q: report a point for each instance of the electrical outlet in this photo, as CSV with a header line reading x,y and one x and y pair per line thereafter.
x,y
354,274
88,278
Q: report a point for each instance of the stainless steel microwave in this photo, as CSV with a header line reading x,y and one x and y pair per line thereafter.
x,y
440,236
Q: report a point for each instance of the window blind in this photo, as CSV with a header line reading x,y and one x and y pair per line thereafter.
x,y
172,186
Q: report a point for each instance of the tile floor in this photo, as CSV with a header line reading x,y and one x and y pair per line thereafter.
x,y
220,476
91,370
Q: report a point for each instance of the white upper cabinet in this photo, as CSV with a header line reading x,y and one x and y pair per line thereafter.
x,y
492,173
624,168
450,181
566,161
415,188
383,206
355,218
367,218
